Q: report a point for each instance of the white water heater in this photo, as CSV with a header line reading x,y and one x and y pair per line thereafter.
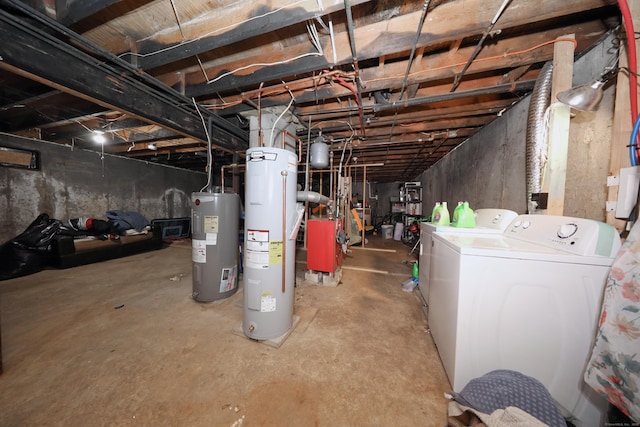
x,y
215,219
271,220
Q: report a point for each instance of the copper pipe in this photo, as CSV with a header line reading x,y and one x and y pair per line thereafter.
x,y
285,132
284,227
320,191
260,141
364,198
293,85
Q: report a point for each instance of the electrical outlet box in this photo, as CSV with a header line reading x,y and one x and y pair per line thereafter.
x,y
541,199
627,191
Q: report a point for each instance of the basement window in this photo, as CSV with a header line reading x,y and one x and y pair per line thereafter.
x,y
17,158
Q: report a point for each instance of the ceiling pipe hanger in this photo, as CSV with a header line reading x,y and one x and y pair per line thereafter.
x,y
479,46
425,6
347,7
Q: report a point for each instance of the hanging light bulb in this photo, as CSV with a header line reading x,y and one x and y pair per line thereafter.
x,y
584,97
587,97
99,137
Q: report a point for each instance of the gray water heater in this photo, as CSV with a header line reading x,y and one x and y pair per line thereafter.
x,y
215,250
270,231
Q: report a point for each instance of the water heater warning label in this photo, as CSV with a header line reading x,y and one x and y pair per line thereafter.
x,y
257,249
199,250
267,302
211,224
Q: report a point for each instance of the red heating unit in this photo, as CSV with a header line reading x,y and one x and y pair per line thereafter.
x,y
323,251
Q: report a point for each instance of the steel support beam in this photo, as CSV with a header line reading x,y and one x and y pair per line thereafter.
x,y
35,54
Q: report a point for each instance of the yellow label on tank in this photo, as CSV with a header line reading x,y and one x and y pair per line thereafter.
x,y
275,252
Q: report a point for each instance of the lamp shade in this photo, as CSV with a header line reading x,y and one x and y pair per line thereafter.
x,y
584,97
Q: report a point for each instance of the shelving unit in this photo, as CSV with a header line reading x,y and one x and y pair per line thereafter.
x,y
412,195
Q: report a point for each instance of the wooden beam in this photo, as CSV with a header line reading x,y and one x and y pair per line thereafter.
x,y
622,124
448,22
554,177
237,25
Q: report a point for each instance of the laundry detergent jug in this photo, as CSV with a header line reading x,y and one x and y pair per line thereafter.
x,y
466,216
441,214
456,212
433,212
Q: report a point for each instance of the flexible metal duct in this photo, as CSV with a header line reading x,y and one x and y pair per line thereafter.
x,y
536,145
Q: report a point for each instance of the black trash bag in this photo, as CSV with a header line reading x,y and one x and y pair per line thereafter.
x,y
17,262
30,251
39,234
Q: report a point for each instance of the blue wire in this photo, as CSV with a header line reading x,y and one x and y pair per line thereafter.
x,y
633,156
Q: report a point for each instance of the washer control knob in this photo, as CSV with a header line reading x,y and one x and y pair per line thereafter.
x,y
567,230
526,225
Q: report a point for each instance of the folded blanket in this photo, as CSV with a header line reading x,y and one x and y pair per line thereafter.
x,y
126,220
511,416
503,395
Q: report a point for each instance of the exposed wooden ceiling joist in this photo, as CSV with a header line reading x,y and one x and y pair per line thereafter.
x,y
131,67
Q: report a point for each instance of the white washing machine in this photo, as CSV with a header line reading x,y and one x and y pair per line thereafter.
x,y
526,300
487,221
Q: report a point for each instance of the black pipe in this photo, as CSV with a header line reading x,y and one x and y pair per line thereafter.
x,y
504,88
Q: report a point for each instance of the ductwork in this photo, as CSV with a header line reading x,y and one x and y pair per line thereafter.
x,y
312,197
536,143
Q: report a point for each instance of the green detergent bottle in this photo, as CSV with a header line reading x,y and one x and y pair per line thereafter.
x,y
466,217
456,214
441,214
433,212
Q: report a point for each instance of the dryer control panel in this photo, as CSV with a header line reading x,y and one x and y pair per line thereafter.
x,y
497,219
579,236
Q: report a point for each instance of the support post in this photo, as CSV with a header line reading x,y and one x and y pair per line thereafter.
x,y
554,177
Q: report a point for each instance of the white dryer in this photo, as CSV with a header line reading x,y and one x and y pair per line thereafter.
x,y
487,221
526,300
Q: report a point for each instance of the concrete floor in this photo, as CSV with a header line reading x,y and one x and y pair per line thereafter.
x,y
361,354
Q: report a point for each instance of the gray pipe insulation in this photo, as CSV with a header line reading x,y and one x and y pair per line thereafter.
x,y
313,197
536,142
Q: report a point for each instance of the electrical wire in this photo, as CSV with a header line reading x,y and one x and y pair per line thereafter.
x,y
217,30
262,64
489,58
271,138
209,155
315,40
353,132
633,154
633,64
175,12
355,94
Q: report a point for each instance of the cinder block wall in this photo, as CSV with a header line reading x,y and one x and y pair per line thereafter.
x,y
75,183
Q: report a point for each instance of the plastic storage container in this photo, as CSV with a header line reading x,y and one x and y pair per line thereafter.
x,y
387,231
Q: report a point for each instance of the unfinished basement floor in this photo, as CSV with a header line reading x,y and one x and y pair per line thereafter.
x,y
122,343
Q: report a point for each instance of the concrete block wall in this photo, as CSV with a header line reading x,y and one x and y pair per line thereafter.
x,y
75,183
489,169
